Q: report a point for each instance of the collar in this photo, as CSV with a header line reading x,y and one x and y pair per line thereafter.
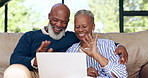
x,y
44,30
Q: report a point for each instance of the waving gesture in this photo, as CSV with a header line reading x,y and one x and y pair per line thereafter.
x,y
90,43
43,48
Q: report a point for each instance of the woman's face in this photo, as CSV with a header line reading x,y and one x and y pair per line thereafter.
x,y
83,26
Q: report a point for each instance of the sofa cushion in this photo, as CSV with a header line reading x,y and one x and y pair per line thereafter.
x,y
8,42
144,71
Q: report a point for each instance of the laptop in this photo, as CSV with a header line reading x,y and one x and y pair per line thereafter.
x,y
62,65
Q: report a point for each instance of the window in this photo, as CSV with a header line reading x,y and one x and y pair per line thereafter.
x,y
110,15
2,17
135,23
106,13
133,15
27,15
135,5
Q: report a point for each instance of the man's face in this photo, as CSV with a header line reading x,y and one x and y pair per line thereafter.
x,y
83,26
58,21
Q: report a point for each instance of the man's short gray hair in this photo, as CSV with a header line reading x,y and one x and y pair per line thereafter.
x,y
86,12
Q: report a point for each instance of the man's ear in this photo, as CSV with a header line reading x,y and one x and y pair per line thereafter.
x,y
48,15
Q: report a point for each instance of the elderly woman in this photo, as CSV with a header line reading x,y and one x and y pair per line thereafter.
x,y
101,60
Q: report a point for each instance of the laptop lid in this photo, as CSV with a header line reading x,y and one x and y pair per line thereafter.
x,y
62,65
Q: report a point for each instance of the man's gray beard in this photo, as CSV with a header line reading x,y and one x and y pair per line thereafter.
x,y
54,35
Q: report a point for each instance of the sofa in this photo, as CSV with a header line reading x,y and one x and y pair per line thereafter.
x,y
135,43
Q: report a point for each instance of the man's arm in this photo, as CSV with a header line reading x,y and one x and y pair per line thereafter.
x,y
22,52
114,68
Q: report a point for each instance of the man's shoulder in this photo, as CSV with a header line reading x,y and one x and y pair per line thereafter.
x,y
71,36
33,32
70,32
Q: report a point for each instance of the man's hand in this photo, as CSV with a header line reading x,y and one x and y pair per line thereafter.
x,y
43,48
92,72
123,54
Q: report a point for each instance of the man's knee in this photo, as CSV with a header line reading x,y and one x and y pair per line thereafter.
x,y
17,71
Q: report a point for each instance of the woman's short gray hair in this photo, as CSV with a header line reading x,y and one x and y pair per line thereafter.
x,y
86,12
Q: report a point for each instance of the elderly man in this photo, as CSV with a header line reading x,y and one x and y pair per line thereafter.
x,y
23,59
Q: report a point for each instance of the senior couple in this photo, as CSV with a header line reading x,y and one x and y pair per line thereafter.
x,y
103,58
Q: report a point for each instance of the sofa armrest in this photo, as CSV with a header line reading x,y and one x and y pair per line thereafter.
x,y
144,71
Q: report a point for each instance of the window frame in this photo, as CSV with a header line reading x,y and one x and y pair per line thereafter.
x,y
123,13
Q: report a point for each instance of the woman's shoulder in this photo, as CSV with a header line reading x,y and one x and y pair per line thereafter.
x,y
105,41
75,45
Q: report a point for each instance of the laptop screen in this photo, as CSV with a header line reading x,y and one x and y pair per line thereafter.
x,y
61,65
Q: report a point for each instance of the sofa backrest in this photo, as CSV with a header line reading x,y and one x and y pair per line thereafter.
x,y
8,42
137,47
